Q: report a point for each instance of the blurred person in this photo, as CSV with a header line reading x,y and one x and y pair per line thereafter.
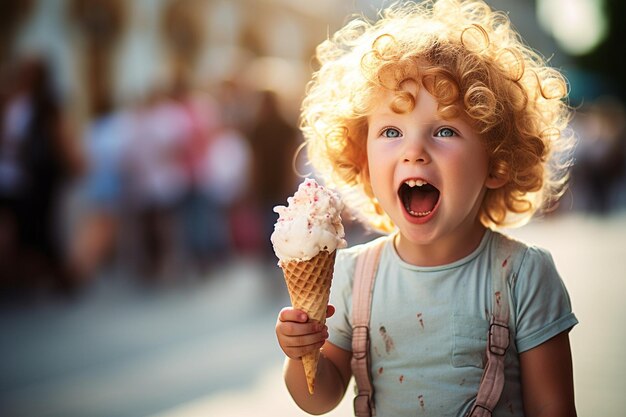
x,y
225,180
600,155
38,156
101,190
205,228
274,141
158,181
439,125
236,104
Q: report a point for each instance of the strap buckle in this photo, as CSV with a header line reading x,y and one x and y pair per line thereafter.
x,y
362,406
498,333
476,408
362,330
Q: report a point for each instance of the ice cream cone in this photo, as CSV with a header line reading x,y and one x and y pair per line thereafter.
x,y
305,239
308,283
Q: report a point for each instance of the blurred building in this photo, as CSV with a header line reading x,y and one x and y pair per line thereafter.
x,y
117,51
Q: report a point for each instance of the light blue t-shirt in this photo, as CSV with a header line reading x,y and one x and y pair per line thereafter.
x,y
428,326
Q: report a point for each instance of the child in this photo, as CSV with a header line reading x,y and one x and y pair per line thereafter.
x,y
438,125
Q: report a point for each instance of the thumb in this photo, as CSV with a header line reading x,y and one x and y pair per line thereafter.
x,y
330,310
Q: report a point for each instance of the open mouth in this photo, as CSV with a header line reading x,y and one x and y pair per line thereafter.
x,y
418,197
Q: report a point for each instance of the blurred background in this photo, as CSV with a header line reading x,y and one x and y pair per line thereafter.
x,y
143,145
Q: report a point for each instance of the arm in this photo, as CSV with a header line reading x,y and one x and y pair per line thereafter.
x,y
298,337
547,379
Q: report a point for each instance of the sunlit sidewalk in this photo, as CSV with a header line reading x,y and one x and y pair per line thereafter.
x,y
267,398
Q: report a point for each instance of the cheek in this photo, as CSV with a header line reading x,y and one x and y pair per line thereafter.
x,y
369,151
371,159
374,176
471,174
481,167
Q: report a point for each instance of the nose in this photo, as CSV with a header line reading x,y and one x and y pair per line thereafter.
x,y
416,150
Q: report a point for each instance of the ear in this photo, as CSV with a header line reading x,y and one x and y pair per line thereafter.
x,y
494,182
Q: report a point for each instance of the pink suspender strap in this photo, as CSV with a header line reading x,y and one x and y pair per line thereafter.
x,y
364,276
492,381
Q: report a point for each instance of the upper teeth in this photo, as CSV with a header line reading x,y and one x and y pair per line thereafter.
x,y
413,183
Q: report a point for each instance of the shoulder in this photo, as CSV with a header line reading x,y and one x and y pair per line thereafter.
x,y
532,274
525,259
350,254
347,257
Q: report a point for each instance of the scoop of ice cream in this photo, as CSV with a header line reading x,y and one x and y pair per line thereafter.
x,y
310,223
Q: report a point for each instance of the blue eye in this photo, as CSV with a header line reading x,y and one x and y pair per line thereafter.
x,y
445,132
391,132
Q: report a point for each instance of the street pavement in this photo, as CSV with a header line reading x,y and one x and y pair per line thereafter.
x,y
206,347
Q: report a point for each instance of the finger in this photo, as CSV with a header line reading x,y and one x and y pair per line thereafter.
x,y
295,329
299,352
330,310
304,340
291,314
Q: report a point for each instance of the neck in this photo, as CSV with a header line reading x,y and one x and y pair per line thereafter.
x,y
444,251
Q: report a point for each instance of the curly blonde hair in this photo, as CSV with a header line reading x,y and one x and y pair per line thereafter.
x,y
471,60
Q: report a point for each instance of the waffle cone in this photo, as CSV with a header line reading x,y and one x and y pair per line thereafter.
x,y
308,283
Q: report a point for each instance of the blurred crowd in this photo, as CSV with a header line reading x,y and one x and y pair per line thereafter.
x,y
182,180
166,187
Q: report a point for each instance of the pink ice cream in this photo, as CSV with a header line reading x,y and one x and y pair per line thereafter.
x,y
310,223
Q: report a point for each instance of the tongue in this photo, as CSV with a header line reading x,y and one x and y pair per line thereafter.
x,y
422,201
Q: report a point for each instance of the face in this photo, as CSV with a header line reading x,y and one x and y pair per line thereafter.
x,y
430,176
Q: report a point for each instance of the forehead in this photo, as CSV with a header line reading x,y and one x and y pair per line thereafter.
x,y
407,97
415,101
380,93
